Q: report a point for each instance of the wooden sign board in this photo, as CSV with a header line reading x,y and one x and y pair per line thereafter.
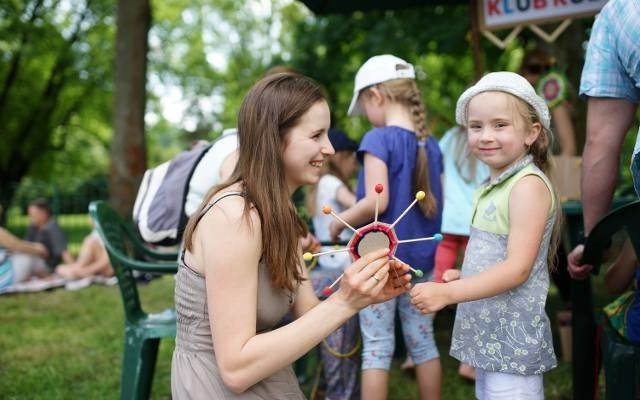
x,y
500,14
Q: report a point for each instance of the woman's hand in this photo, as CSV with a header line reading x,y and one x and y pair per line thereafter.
x,y
373,278
429,297
398,281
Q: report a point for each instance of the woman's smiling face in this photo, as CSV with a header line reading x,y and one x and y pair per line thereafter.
x,y
307,146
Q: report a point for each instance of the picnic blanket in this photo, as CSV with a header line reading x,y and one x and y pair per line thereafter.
x,y
40,285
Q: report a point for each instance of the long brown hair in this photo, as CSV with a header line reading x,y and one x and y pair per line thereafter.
x,y
540,150
273,106
405,91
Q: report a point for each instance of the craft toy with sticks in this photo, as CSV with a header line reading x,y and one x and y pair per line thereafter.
x,y
371,237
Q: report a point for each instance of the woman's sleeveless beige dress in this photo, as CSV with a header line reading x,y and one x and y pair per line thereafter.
x,y
194,371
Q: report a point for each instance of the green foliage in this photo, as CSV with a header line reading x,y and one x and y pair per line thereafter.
x,y
435,39
212,52
70,198
55,89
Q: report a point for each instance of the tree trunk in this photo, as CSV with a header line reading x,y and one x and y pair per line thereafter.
x,y
128,148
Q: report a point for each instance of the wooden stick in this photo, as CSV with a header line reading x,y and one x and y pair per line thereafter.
x,y
417,272
378,190
328,210
419,196
329,289
437,237
308,256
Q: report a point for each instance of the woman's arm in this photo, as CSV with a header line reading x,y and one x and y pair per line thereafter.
x,y
306,297
529,204
622,271
229,249
12,243
375,171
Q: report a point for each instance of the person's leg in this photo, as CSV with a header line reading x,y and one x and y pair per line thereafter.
x,y
90,252
26,266
467,371
480,385
446,254
501,386
340,353
377,327
421,346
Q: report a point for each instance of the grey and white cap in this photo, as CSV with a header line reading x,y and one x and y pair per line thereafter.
x,y
508,82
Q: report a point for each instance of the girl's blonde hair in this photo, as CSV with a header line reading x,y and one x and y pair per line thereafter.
x,y
540,150
406,92
464,160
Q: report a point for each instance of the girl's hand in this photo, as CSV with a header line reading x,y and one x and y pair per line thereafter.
x,y
450,275
309,243
429,297
372,279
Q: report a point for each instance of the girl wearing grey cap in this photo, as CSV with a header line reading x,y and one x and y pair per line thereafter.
x,y
501,327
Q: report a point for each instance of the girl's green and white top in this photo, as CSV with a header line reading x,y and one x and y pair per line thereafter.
x,y
509,332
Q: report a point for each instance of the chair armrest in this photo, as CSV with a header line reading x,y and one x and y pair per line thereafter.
x,y
146,266
146,251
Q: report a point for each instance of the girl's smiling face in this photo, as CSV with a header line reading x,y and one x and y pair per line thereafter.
x,y
307,146
498,132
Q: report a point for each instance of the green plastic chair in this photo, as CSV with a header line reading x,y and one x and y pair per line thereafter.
x,y
142,331
621,358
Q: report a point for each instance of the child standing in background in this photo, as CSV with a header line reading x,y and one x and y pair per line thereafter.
x,y
400,154
501,327
340,351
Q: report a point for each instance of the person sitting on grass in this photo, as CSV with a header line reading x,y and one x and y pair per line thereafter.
x,y
92,261
44,229
20,260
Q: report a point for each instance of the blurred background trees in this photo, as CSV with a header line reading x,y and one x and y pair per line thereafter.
x,y
57,76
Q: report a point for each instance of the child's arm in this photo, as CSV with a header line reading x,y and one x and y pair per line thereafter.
x,y
345,197
375,171
529,204
621,272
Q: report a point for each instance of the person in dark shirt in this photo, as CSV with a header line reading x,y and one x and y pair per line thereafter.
x,y
44,229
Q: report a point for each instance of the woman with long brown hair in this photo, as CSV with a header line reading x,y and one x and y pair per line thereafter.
x,y
242,269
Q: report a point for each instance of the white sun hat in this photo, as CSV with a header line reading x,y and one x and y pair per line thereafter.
x,y
508,82
378,69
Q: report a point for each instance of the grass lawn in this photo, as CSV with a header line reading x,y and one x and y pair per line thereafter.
x,y
68,345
